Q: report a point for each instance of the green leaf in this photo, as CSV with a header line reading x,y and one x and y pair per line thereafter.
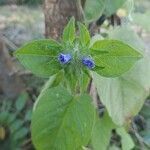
x,y
126,140
84,36
93,9
40,57
69,31
61,121
16,125
102,132
114,56
21,101
124,96
20,134
52,82
111,6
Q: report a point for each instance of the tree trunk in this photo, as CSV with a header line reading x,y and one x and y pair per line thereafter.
x,y
57,14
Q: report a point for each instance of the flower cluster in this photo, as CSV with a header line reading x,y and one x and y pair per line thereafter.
x,y
66,58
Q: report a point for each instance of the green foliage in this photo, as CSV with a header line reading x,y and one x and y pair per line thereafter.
x,y
14,124
84,37
69,31
20,2
142,129
111,6
102,135
102,132
40,57
126,98
21,101
95,8
61,118
2,2
29,2
130,90
126,140
114,57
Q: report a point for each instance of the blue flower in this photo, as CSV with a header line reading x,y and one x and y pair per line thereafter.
x,y
64,58
87,61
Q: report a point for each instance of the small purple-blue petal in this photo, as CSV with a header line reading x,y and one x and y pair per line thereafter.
x,y
87,61
64,58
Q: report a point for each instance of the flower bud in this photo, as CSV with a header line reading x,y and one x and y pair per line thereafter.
x,y
87,61
64,58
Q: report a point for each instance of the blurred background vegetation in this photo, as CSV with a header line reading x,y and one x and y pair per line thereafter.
x,y
21,2
22,21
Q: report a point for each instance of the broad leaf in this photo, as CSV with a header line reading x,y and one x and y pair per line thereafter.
x,y
93,9
102,133
115,57
61,121
40,57
111,6
124,96
69,31
126,140
84,36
